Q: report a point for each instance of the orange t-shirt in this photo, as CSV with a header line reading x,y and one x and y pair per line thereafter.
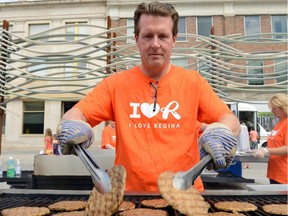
x,y
151,142
253,136
108,136
278,165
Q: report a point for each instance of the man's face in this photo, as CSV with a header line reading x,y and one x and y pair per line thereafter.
x,y
155,42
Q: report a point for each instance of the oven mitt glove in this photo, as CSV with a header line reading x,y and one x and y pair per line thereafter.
x,y
218,140
73,132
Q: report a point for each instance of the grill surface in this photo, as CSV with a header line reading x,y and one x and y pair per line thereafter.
x,y
9,200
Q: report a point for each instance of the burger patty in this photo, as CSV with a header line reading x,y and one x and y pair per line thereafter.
x,y
155,203
26,211
235,206
67,205
126,205
276,209
143,212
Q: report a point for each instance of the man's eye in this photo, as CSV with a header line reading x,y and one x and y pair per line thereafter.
x,y
162,37
147,37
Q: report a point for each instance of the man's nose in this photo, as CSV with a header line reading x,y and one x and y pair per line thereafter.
x,y
155,43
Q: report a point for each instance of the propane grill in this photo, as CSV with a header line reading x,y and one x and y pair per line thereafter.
x,y
42,198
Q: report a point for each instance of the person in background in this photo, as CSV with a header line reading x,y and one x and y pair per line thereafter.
x,y
156,106
253,137
55,143
109,136
48,138
277,144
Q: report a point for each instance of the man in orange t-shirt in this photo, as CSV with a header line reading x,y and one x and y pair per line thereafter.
x,y
109,136
156,106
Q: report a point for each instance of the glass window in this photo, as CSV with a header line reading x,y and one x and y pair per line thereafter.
x,y
81,68
279,25
33,117
257,71
281,71
38,28
252,25
182,29
204,25
38,69
77,67
68,105
130,31
75,29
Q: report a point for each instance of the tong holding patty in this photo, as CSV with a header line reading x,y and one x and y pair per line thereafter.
x,y
100,178
184,180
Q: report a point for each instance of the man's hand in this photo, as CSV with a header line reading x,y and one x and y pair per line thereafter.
x,y
218,140
73,132
260,153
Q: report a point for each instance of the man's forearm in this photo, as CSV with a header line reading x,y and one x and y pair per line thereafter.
x,y
232,122
74,114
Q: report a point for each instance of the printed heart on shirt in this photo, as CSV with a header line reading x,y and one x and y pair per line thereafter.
x,y
147,109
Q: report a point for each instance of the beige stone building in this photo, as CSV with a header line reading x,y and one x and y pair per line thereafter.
x,y
26,118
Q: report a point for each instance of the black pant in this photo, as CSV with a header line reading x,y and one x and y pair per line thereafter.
x,y
274,182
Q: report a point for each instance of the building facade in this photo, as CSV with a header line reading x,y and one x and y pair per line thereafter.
x,y
232,19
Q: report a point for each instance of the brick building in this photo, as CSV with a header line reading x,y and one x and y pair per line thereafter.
x,y
232,22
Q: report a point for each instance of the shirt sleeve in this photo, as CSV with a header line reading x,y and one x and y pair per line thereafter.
x,y
211,106
97,105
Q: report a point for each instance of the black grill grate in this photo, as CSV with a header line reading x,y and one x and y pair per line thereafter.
x,y
258,200
8,200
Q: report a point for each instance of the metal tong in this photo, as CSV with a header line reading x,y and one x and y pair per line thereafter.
x,y
184,180
100,178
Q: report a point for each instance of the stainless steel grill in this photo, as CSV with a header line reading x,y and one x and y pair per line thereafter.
x,y
41,198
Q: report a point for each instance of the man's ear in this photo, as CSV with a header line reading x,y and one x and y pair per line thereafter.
x,y
136,39
174,40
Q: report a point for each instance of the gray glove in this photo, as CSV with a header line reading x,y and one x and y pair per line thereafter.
x,y
218,140
73,132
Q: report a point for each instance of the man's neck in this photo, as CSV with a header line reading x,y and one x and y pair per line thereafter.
x,y
155,74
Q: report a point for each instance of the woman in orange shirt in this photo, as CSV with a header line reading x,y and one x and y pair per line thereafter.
x,y
277,145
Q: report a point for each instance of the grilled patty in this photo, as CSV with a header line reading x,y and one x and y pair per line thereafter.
x,y
235,206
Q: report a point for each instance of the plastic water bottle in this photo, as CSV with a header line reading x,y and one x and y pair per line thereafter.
x,y
10,168
1,170
17,168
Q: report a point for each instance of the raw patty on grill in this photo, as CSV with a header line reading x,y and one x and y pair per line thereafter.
x,y
188,202
155,203
126,205
71,213
108,203
235,206
26,211
68,205
276,209
143,212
